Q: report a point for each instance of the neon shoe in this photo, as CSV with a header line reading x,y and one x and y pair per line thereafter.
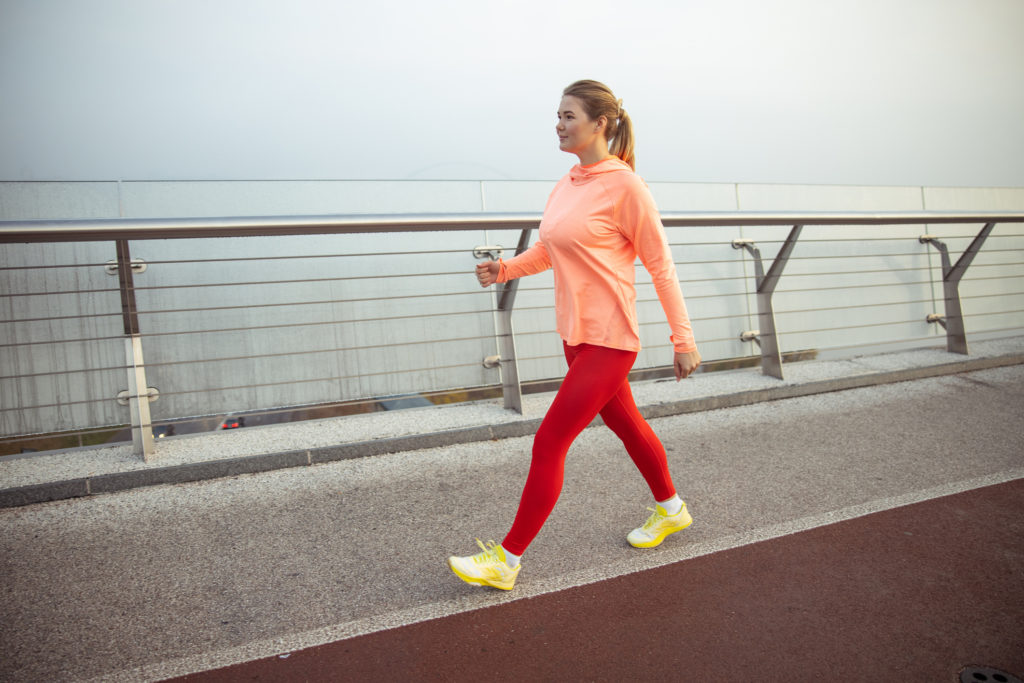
x,y
487,568
658,526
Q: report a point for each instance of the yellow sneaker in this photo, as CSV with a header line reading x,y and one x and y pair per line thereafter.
x,y
658,526
487,568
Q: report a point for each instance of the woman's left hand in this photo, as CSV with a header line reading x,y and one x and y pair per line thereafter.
x,y
686,363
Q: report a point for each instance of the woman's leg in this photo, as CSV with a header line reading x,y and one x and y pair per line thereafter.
x,y
642,444
595,375
671,515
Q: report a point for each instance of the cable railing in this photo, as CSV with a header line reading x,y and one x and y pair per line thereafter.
x,y
312,316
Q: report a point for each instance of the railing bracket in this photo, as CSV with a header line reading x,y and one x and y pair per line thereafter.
x,y
492,361
138,266
492,252
123,396
953,321
936,318
504,333
768,342
751,336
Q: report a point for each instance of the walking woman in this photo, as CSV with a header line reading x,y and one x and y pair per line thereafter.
x,y
598,220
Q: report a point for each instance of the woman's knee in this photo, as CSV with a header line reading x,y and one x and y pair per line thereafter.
x,y
548,447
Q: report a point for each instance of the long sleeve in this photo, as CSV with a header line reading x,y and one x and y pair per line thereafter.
x,y
533,260
640,221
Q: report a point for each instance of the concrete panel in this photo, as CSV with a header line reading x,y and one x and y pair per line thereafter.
x,y
527,196
974,198
277,198
60,313
58,200
342,317
672,197
757,197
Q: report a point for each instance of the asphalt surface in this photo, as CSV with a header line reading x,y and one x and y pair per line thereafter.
x,y
864,533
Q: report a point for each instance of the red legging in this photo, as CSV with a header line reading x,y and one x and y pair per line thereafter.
x,y
597,382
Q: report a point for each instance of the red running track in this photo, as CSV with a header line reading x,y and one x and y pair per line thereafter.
x,y
910,594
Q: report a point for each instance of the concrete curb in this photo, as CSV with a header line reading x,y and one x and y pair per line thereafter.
x,y
178,474
825,386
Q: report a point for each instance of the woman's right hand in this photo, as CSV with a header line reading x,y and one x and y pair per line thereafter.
x,y
487,273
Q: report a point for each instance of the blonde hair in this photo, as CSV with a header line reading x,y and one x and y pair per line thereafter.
x,y
599,100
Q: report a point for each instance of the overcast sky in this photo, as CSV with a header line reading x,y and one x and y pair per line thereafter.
x,y
878,92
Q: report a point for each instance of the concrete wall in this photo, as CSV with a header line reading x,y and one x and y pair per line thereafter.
x,y
847,288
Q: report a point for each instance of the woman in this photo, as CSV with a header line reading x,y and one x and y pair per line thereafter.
x,y
598,219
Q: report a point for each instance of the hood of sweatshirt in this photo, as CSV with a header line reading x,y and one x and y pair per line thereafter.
x,y
580,175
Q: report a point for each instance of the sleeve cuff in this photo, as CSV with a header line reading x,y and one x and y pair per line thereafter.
x,y
683,347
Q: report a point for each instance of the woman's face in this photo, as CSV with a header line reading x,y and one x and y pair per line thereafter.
x,y
576,131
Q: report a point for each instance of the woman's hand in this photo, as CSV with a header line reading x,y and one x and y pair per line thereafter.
x,y
686,363
487,273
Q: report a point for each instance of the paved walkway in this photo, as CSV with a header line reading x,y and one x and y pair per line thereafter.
x,y
916,593
799,556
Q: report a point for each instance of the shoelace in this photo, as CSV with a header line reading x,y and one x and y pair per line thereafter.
x,y
653,520
490,552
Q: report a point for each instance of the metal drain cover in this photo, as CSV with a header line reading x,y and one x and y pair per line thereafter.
x,y
986,674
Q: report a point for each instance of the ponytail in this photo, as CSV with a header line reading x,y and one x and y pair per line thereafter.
x,y
622,142
599,100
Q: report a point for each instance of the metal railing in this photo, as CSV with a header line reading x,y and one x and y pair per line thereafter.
x,y
761,286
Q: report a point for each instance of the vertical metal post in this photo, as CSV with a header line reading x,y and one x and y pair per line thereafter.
x,y
509,368
956,333
771,355
138,400
138,389
510,387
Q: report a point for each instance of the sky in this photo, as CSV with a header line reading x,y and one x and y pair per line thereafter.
x,y
854,92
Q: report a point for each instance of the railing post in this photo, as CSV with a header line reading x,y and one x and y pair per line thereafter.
x,y
504,333
953,321
511,390
138,393
767,337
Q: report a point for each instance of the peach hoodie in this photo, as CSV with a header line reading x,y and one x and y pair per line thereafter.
x,y
598,219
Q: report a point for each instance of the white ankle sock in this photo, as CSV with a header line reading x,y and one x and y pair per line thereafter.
x,y
673,505
510,559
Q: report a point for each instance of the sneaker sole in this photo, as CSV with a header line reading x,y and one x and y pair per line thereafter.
x,y
477,581
655,542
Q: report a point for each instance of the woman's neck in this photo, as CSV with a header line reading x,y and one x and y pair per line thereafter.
x,y
595,153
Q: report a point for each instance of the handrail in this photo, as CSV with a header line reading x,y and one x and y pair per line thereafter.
x,y
191,228
123,230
